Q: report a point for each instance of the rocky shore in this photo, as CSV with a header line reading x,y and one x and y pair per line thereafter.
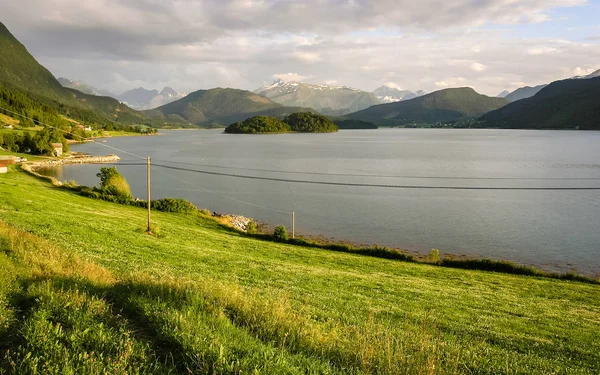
x,y
76,158
236,221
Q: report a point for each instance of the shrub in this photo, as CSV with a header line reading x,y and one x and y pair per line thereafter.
x,y
251,227
113,183
280,233
174,205
434,256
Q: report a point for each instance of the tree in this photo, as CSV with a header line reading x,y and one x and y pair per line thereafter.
x,y
280,233
307,122
113,183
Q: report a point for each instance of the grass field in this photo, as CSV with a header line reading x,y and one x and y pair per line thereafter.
x,y
84,290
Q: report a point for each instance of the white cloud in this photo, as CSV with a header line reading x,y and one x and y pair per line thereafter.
x,y
451,82
191,45
392,85
331,82
290,77
307,57
478,67
541,50
578,71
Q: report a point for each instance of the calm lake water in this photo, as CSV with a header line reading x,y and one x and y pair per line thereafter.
x,y
553,229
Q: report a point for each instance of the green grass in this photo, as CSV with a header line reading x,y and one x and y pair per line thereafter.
x,y
79,276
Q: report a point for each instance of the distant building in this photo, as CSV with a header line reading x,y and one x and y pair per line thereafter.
x,y
3,167
88,128
57,149
7,159
8,126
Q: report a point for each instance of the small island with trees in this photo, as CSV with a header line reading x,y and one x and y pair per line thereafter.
x,y
300,122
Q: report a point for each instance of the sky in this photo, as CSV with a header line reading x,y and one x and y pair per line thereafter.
x,y
490,45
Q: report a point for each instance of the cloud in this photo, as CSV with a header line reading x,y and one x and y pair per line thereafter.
x,y
541,50
478,67
392,85
308,57
190,45
291,77
451,82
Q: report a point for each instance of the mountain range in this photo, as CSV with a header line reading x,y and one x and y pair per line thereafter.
x,y
27,84
528,91
570,103
388,94
326,99
221,106
21,73
440,106
139,98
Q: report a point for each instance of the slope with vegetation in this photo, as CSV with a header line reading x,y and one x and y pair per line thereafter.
x,y
258,125
301,122
567,104
22,74
83,289
219,106
440,106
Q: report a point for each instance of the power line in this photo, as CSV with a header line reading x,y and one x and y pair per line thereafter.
x,y
383,176
74,135
429,187
221,195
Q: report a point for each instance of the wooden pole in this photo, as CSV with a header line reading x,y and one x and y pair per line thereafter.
x,y
149,230
293,225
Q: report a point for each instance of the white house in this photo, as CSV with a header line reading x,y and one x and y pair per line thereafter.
x,y
57,149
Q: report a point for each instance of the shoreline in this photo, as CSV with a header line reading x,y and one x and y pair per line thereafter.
x,y
239,222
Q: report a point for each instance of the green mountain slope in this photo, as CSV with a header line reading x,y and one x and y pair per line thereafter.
x,y
222,106
440,106
568,104
328,100
19,71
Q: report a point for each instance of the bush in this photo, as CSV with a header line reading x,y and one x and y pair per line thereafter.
x,y
280,233
251,227
174,205
307,122
434,256
113,183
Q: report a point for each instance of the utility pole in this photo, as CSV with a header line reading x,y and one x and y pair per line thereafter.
x,y
149,230
293,225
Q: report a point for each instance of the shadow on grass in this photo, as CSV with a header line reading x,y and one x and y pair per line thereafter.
x,y
145,308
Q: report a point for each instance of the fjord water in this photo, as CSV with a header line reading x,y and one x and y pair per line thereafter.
x,y
557,230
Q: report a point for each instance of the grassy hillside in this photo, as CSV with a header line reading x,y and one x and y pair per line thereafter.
x,y
440,106
568,104
21,73
221,106
84,290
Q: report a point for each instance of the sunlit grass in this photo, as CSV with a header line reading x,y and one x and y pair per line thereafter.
x,y
79,276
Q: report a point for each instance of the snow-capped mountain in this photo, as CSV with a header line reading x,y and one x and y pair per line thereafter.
x,y
83,87
327,99
387,94
142,98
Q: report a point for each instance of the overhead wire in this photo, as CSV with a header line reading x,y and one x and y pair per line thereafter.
x,y
224,196
331,183
377,175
